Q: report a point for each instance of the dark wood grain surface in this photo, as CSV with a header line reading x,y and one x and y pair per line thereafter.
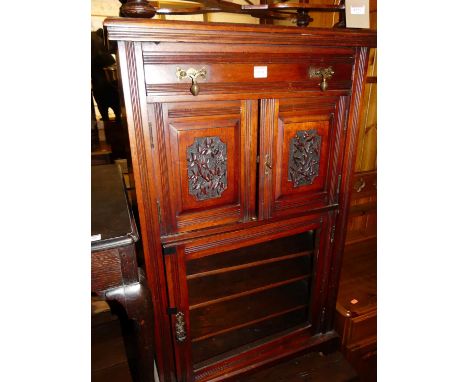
x,y
164,30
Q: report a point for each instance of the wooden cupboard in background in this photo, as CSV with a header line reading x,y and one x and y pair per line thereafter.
x,y
357,296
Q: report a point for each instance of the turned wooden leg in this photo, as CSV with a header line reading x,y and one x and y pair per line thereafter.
x,y
136,301
144,331
137,8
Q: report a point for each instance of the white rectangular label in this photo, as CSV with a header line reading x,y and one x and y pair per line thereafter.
x,y
260,71
358,10
96,237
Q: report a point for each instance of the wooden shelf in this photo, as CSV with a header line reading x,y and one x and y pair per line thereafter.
x,y
212,320
248,323
249,292
287,247
247,265
240,297
240,282
221,344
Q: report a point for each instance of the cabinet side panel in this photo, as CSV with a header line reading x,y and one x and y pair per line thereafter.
x,y
360,68
131,67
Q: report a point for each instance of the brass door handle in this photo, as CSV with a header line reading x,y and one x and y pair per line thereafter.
x,y
325,73
194,75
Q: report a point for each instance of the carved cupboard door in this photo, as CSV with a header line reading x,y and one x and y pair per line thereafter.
x,y
207,159
301,149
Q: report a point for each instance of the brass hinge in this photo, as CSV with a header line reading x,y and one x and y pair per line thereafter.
x,y
332,234
151,134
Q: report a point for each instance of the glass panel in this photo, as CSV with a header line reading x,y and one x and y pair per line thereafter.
x,y
240,297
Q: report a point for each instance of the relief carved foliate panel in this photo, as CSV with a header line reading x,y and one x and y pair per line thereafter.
x,y
304,157
207,168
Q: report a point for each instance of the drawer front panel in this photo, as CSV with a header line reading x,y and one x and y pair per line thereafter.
x,y
245,72
362,327
363,357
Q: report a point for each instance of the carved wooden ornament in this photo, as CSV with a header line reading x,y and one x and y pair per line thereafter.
x,y
207,168
304,157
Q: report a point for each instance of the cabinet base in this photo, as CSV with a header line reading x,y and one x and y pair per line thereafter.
x,y
315,367
268,355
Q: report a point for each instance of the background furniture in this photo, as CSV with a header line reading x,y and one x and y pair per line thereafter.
x,y
362,225
115,275
295,12
357,308
243,143
357,321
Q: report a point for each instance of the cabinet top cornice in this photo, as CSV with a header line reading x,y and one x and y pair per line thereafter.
x,y
126,29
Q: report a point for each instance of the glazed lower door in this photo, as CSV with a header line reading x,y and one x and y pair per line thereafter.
x,y
233,305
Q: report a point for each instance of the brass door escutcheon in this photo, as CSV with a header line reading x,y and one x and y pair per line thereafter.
x,y
180,332
193,74
325,73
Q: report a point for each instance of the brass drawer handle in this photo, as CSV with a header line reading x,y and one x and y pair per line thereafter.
x,y
181,334
194,75
325,73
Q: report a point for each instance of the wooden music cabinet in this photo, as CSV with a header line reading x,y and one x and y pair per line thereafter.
x,y
243,144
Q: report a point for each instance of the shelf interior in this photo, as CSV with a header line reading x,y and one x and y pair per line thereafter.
x,y
239,297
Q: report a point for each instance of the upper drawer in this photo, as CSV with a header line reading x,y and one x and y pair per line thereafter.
x,y
246,72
